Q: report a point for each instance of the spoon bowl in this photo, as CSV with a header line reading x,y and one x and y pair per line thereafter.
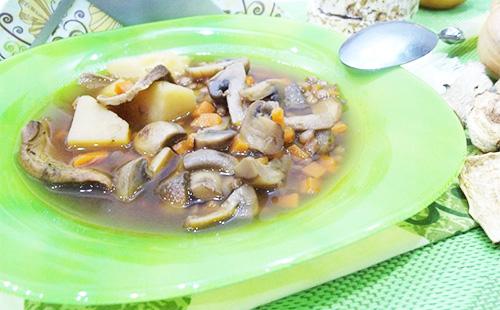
x,y
386,45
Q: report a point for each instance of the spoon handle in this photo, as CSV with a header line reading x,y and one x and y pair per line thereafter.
x,y
451,35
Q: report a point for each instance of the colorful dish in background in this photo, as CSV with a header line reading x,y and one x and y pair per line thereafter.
x,y
404,147
212,142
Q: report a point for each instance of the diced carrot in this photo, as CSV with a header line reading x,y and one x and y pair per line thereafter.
x,y
314,170
204,107
297,152
264,160
239,145
287,201
249,80
207,120
87,159
278,116
328,163
288,134
122,86
339,128
310,185
185,145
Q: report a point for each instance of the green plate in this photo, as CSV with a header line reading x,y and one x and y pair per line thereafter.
x,y
405,147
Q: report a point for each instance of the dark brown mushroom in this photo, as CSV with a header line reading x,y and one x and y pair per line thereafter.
x,y
174,190
35,158
154,136
293,100
130,178
213,139
260,132
157,73
210,159
225,87
242,203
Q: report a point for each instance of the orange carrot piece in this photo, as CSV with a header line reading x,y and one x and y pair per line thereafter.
x,y
339,128
297,152
278,116
202,108
287,201
207,120
123,86
239,145
328,163
249,80
87,159
314,170
185,145
310,185
288,134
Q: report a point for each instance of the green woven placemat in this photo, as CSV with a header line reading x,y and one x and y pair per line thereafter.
x,y
462,272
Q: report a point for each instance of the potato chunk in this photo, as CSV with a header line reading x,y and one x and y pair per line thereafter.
x,y
164,101
138,66
94,125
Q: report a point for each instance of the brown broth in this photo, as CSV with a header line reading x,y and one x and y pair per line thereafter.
x,y
148,212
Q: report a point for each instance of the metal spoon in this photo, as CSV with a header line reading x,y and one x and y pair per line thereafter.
x,y
393,43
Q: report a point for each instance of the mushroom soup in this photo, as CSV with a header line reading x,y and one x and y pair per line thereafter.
x,y
161,143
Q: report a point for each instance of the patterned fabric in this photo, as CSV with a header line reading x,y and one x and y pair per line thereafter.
x,y
460,274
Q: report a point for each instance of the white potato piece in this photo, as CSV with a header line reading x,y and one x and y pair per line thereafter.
x,y
94,125
138,66
164,101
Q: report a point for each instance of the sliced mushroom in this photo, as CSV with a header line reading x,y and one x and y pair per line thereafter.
x,y
325,114
161,161
242,203
205,184
130,178
258,174
35,159
157,73
260,132
222,126
210,159
306,136
210,69
325,141
150,139
272,88
225,87
174,190
213,139
94,80
229,184
294,101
